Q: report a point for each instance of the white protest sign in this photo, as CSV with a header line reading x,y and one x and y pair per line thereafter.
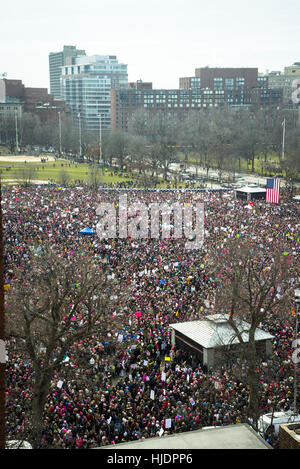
x,y
168,423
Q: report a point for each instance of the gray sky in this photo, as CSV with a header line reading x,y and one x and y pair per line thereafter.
x,y
159,40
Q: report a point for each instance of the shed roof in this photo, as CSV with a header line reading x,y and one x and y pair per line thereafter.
x,y
251,189
215,330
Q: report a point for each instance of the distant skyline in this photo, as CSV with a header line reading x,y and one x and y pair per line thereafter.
x,y
160,41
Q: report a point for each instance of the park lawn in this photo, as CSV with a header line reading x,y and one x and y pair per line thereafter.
x,y
50,171
43,171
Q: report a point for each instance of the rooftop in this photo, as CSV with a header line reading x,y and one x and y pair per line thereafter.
x,y
251,189
215,331
240,436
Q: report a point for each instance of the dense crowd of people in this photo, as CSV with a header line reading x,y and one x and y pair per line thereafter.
x,y
133,384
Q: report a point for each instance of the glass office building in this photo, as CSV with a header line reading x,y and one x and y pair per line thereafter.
x,y
87,85
56,61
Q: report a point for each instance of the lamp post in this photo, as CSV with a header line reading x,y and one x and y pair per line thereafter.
x,y
16,126
297,301
283,139
59,127
100,138
80,142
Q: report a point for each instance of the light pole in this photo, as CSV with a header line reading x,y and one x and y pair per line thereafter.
x,y
80,143
100,138
283,139
297,301
16,126
59,126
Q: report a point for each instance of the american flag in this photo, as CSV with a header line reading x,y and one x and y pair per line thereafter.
x,y
273,190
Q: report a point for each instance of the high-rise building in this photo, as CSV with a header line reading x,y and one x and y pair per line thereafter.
x,y
58,60
87,85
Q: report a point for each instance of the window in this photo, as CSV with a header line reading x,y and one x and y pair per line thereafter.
x,y
218,83
240,82
228,83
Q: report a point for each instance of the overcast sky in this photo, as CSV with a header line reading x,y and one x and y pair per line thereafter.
x,y
159,40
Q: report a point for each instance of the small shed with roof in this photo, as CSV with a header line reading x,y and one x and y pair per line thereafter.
x,y
208,338
250,192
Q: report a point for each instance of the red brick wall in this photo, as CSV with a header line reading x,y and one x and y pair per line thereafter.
x,y
207,75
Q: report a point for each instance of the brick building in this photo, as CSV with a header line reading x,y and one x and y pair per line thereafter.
x,y
11,90
140,85
32,100
209,88
289,436
164,103
227,78
242,87
179,103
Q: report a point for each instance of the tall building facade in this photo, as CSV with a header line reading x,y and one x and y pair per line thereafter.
x,y
58,60
242,88
209,89
278,80
173,103
87,86
235,82
293,70
288,81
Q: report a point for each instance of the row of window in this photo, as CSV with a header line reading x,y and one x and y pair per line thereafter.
x,y
228,83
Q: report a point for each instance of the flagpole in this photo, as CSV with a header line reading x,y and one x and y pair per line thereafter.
x,y
283,139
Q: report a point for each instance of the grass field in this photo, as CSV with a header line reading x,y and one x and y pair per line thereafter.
x,y
51,172
30,169
15,170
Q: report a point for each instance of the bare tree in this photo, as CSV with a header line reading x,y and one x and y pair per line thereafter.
x,y
138,123
26,174
250,286
291,163
64,177
250,137
58,300
94,175
138,151
117,146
